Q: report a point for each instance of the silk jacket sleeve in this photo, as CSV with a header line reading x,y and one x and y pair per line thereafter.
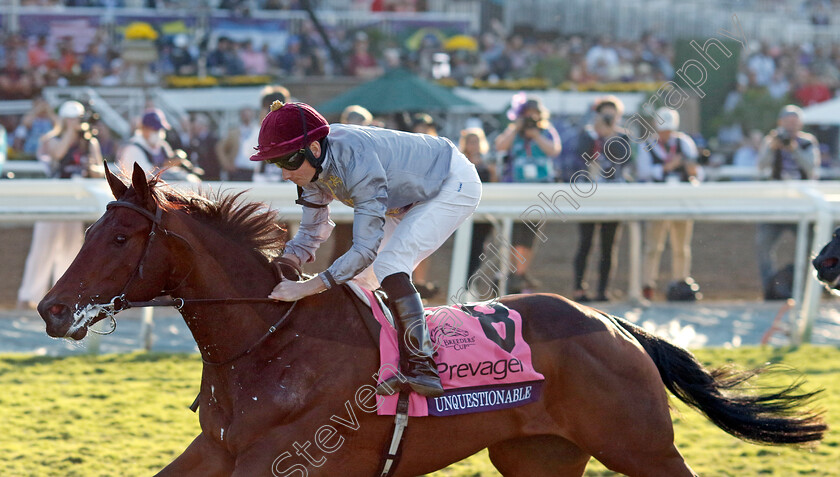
x,y
366,183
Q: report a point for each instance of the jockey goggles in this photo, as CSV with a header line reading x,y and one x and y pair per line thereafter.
x,y
290,162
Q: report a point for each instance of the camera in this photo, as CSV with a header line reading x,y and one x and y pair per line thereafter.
x,y
608,119
86,129
529,123
783,137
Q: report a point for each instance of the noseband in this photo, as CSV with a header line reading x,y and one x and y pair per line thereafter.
x,y
120,303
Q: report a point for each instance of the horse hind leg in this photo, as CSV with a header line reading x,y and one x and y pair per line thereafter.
x,y
538,456
656,463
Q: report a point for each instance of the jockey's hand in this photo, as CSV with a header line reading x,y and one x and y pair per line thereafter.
x,y
294,258
292,291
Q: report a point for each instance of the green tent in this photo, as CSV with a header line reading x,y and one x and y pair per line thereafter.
x,y
396,91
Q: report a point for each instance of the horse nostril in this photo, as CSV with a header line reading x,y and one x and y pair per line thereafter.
x,y
830,262
58,310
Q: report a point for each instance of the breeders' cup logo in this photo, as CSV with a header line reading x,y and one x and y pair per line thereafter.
x,y
448,336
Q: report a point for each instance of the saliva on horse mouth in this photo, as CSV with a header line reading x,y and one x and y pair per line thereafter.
x,y
86,317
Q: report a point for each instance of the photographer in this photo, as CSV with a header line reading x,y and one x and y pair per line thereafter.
x,y
607,161
670,156
69,150
786,153
530,144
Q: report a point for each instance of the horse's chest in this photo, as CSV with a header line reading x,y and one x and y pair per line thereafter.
x,y
233,416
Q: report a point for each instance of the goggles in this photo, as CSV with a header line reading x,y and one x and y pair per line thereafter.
x,y
290,162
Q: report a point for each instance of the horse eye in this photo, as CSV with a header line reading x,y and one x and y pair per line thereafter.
x,y
120,239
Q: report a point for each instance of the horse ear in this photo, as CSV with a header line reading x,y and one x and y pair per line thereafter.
x,y
141,187
118,188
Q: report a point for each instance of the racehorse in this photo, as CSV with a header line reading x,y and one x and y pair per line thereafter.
x,y
266,396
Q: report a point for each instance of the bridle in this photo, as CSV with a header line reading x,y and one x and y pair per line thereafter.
x,y
120,303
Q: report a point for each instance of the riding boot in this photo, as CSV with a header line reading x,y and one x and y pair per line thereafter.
x,y
416,350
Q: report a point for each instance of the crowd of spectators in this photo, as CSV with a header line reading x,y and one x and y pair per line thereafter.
x,y
809,73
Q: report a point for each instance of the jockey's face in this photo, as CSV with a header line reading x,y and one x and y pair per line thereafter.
x,y
304,174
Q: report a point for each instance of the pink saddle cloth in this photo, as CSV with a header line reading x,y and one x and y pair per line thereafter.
x,y
483,362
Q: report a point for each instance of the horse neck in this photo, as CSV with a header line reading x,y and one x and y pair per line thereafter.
x,y
221,268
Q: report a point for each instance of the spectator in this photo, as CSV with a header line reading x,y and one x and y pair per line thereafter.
x,y
786,153
671,157
224,61
93,57
114,76
201,150
357,115
230,151
183,62
38,121
16,80
811,89
69,150
362,63
747,154
779,85
607,158
761,64
602,58
107,144
289,61
473,144
148,146
236,149
68,62
530,144
38,54
254,61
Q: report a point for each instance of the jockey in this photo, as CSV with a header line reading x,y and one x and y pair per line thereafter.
x,y
409,193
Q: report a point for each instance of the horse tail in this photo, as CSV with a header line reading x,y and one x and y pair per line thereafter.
x,y
771,418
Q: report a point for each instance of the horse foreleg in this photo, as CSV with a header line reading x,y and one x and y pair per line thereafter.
x,y
202,458
538,456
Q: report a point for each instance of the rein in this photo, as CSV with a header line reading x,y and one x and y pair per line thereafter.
x,y
120,303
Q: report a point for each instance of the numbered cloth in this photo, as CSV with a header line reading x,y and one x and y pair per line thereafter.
x,y
483,361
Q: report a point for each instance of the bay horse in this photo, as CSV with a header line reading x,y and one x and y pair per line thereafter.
x,y
266,397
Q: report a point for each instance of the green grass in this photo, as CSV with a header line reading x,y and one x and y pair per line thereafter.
x,y
126,415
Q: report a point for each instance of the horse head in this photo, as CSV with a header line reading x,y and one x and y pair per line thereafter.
x,y
827,262
119,260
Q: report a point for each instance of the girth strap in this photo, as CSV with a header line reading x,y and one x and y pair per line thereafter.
x,y
393,453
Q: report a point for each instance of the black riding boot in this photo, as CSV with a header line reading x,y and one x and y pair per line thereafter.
x,y
416,350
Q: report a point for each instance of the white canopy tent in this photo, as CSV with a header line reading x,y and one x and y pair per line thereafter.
x,y
826,113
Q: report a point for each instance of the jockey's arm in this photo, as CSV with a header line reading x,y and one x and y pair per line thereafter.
x,y
315,228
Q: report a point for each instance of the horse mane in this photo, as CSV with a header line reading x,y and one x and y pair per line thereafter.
x,y
251,224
